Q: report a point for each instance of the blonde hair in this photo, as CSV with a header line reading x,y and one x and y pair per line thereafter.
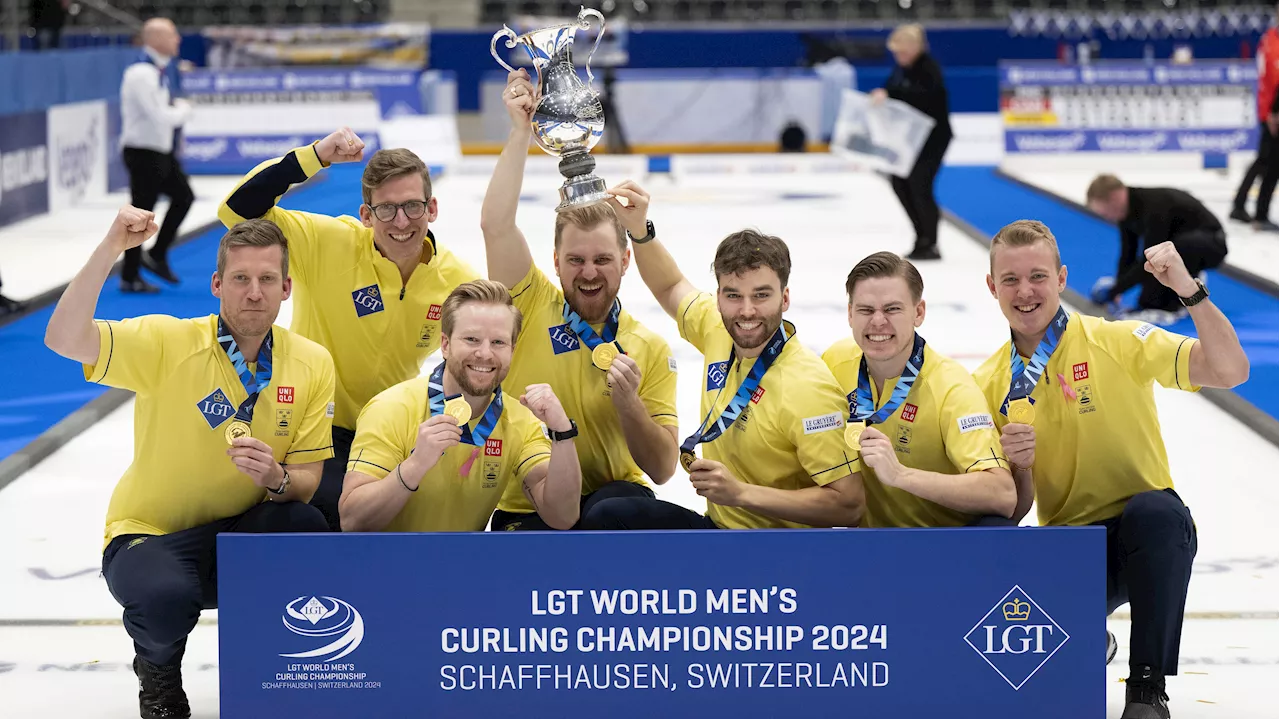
x,y
390,164
588,218
1102,187
910,32
1024,233
485,292
258,232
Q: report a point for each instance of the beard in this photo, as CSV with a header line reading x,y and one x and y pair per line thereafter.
x,y
249,324
458,371
591,309
757,337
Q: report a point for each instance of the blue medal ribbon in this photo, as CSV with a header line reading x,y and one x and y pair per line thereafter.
x,y
608,333
1023,378
436,400
861,406
253,383
748,387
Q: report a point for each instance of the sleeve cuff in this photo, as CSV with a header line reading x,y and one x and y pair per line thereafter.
x,y
306,456
1182,365
98,372
308,159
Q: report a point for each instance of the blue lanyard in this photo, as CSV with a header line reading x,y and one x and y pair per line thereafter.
x,y
1023,378
863,409
253,383
608,333
743,395
436,400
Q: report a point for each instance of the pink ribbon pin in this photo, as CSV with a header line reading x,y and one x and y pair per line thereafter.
x,y
465,470
1067,391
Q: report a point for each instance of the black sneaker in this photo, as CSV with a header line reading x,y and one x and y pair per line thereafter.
x,y
1239,214
159,268
1144,695
1112,647
925,253
138,287
160,694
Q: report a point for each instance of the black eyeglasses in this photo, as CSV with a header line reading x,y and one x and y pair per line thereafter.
x,y
413,209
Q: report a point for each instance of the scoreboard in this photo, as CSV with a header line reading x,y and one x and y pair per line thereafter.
x,y
1129,107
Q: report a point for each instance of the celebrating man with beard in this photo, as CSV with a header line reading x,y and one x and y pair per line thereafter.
x,y
775,454
615,376
369,288
457,435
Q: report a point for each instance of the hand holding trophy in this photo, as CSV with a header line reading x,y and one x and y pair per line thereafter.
x,y
568,120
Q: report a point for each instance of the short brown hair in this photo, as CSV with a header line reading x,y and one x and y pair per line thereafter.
x,y
749,250
1102,187
485,292
1023,233
886,264
590,217
258,232
390,164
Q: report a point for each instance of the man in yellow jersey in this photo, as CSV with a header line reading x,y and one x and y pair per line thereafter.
x,y
434,454
230,411
369,288
1073,398
773,434
930,452
616,376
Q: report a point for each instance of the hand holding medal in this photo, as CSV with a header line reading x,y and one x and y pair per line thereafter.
x,y
1021,411
458,409
1019,444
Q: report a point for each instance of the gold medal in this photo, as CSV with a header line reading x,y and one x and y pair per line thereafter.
x,y
1021,411
686,460
459,410
603,355
236,430
852,431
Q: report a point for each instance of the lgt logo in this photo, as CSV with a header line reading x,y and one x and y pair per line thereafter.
x,y
1016,638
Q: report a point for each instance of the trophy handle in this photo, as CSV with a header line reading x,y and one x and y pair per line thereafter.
x,y
586,12
511,43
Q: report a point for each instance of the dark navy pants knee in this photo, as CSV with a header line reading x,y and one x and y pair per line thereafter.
x,y
334,471
165,581
531,522
1150,550
993,520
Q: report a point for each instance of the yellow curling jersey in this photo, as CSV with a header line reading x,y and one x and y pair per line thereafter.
x,y
462,490
347,296
943,426
1098,439
187,392
791,433
547,351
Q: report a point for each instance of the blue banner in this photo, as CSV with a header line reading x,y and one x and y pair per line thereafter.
x,y
237,154
24,166
968,624
1136,141
1211,72
396,90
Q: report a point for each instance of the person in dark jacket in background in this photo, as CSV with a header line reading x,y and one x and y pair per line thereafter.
x,y
1149,216
917,81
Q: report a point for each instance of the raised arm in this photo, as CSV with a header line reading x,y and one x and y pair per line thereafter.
x,y
657,267
71,331
505,247
554,488
258,192
1217,359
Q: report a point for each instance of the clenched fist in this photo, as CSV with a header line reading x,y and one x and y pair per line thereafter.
x,y
342,145
546,407
131,228
521,100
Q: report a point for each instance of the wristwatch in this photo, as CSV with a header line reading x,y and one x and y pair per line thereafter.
x,y
648,225
284,483
1200,296
555,436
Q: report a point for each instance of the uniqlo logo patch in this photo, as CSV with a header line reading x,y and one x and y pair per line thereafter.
x,y
284,395
434,313
909,412
755,396
1080,371
493,448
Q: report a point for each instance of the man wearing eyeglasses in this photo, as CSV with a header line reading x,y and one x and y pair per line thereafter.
x,y
368,289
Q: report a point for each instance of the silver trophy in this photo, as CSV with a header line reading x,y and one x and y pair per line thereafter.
x,y
568,120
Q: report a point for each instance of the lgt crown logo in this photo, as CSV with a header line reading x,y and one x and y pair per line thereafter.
x,y
1017,637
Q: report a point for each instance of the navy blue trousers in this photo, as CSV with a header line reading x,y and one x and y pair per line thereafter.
x,y
1150,548
531,522
163,582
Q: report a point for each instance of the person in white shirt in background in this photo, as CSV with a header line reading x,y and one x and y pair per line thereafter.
x,y
149,119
